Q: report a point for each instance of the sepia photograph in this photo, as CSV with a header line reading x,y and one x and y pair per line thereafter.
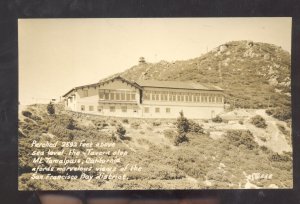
x,y
155,103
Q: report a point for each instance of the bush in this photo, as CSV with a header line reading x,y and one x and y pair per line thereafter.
x,y
27,114
241,122
71,124
121,131
279,158
180,138
259,121
135,125
36,118
156,123
217,119
170,134
195,127
50,109
239,137
125,121
113,137
281,113
182,123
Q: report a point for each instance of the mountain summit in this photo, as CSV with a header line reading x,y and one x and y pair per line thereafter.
x,y
253,74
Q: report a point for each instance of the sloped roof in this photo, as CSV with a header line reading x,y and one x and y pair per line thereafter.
x,y
177,85
101,82
153,83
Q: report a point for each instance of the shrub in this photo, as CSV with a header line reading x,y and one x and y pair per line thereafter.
x,y
135,125
239,137
281,113
170,134
195,127
182,123
125,121
121,131
279,157
180,138
259,121
217,119
71,136
241,122
50,109
156,123
36,118
71,124
113,137
27,114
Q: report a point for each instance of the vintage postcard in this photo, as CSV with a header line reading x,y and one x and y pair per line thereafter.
x,y
156,103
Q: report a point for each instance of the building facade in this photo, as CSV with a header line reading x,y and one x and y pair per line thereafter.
x,y
146,99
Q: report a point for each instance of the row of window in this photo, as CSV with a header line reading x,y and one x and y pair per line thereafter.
x,y
182,97
119,95
124,109
111,108
157,110
116,95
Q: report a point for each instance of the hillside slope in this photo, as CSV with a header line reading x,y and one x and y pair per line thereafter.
x,y
253,74
225,155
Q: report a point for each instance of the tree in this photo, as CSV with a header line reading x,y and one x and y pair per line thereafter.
x,y
121,131
51,109
182,123
182,128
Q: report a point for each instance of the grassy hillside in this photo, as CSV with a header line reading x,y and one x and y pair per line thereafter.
x,y
228,153
254,75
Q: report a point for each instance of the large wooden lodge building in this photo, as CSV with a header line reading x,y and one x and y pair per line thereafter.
x,y
120,97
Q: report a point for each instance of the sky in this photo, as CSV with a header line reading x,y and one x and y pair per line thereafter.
x,y
56,55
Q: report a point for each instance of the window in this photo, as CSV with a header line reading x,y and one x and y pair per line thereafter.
x,y
112,109
186,98
168,110
82,107
91,108
174,97
101,94
123,96
219,99
214,98
153,96
190,97
146,109
178,97
106,96
117,96
204,98
124,109
71,99
196,98
157,97
85,93
99,108
112,96
181,97
146,95
133,96
157,110
164,96
128,96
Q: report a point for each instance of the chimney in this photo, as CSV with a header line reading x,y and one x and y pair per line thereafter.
x,y
142,60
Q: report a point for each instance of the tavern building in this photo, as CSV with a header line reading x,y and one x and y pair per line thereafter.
x,y
146,99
